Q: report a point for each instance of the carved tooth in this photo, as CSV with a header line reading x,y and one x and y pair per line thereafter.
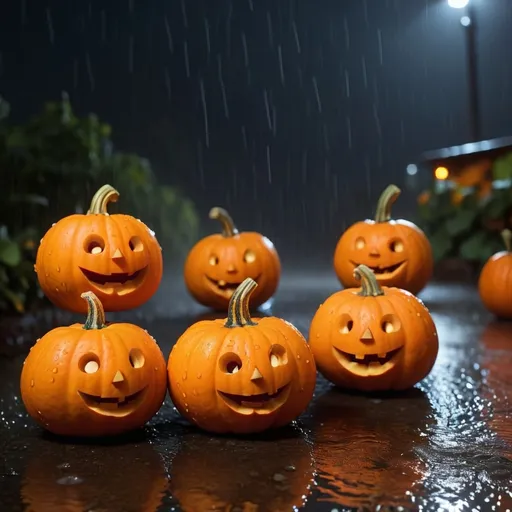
x,y
360,356
374,364
222,282
383,355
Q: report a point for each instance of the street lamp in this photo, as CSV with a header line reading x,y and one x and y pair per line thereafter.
x,y
469,23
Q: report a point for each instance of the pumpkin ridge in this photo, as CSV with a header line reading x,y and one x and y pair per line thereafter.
x,y
104,195
385,202
228,226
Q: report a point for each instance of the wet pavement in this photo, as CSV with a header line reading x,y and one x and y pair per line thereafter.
x,y
444,445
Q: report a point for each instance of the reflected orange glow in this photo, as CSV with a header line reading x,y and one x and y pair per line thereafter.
x,y
441,173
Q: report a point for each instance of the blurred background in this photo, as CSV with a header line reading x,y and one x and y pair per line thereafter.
x,y
292,114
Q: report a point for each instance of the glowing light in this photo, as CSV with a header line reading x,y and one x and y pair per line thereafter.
x,y
412,169
465,21
441,173
458,4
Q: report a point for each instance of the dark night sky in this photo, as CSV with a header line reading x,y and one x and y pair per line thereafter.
x,y
313,106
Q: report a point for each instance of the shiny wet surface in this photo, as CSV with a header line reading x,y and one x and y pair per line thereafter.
x,y
444,445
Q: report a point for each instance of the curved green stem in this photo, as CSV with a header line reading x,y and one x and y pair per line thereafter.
x,y
370,287
386,200
106,194
506,235
95,312
238,309
228,226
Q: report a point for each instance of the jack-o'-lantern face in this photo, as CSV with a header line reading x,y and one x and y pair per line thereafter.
x,y
116,256
397,251
218,264
373,339
368,344
261,385
241,375
94,379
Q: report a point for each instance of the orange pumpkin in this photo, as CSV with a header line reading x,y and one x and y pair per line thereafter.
x,y
365,449
116,256
495,281
217,265
74,478
397,251
94,379
241,375
373,338
212,473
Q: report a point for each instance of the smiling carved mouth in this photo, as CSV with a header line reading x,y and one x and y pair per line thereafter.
x,y
113,406
367,364
263,403
226,287
121,282
383,271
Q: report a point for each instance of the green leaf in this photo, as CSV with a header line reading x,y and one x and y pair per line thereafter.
x,y
461,221
498,204
10,253
441,243
478,247
502,167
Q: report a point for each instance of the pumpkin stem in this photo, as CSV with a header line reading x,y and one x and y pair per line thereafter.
x,y
238,309
95,312
506,235
106,194
370,287
228,226
386,200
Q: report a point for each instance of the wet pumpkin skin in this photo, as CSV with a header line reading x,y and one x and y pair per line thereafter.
x,y
373,338
397,251
495,281
241,375
116,256
218,263
93,379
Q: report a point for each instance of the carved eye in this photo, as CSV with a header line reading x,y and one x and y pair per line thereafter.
x,y
346,324
278,356
136,244
214,260
94,244
390,323
360,243
89,363
396,246
249,256
230,363
137,358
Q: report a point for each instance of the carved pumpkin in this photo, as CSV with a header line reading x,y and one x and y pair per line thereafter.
x,y
241,375
116,256
219,263
94,379
78,477
495,281
214,473
373,338
365,449
397,251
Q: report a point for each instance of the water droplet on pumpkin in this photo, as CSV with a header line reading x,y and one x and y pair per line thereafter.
x,y
46,274
256,347
184,376
298,356
156,368
32,383
57,290
55,370
52,380
35,268
194,392
199,375
58,268
307,361
318,335
184,395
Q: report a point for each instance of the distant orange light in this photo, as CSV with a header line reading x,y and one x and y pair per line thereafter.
x,y
441,173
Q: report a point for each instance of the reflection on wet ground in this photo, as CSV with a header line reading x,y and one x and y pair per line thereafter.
x,y
445,445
